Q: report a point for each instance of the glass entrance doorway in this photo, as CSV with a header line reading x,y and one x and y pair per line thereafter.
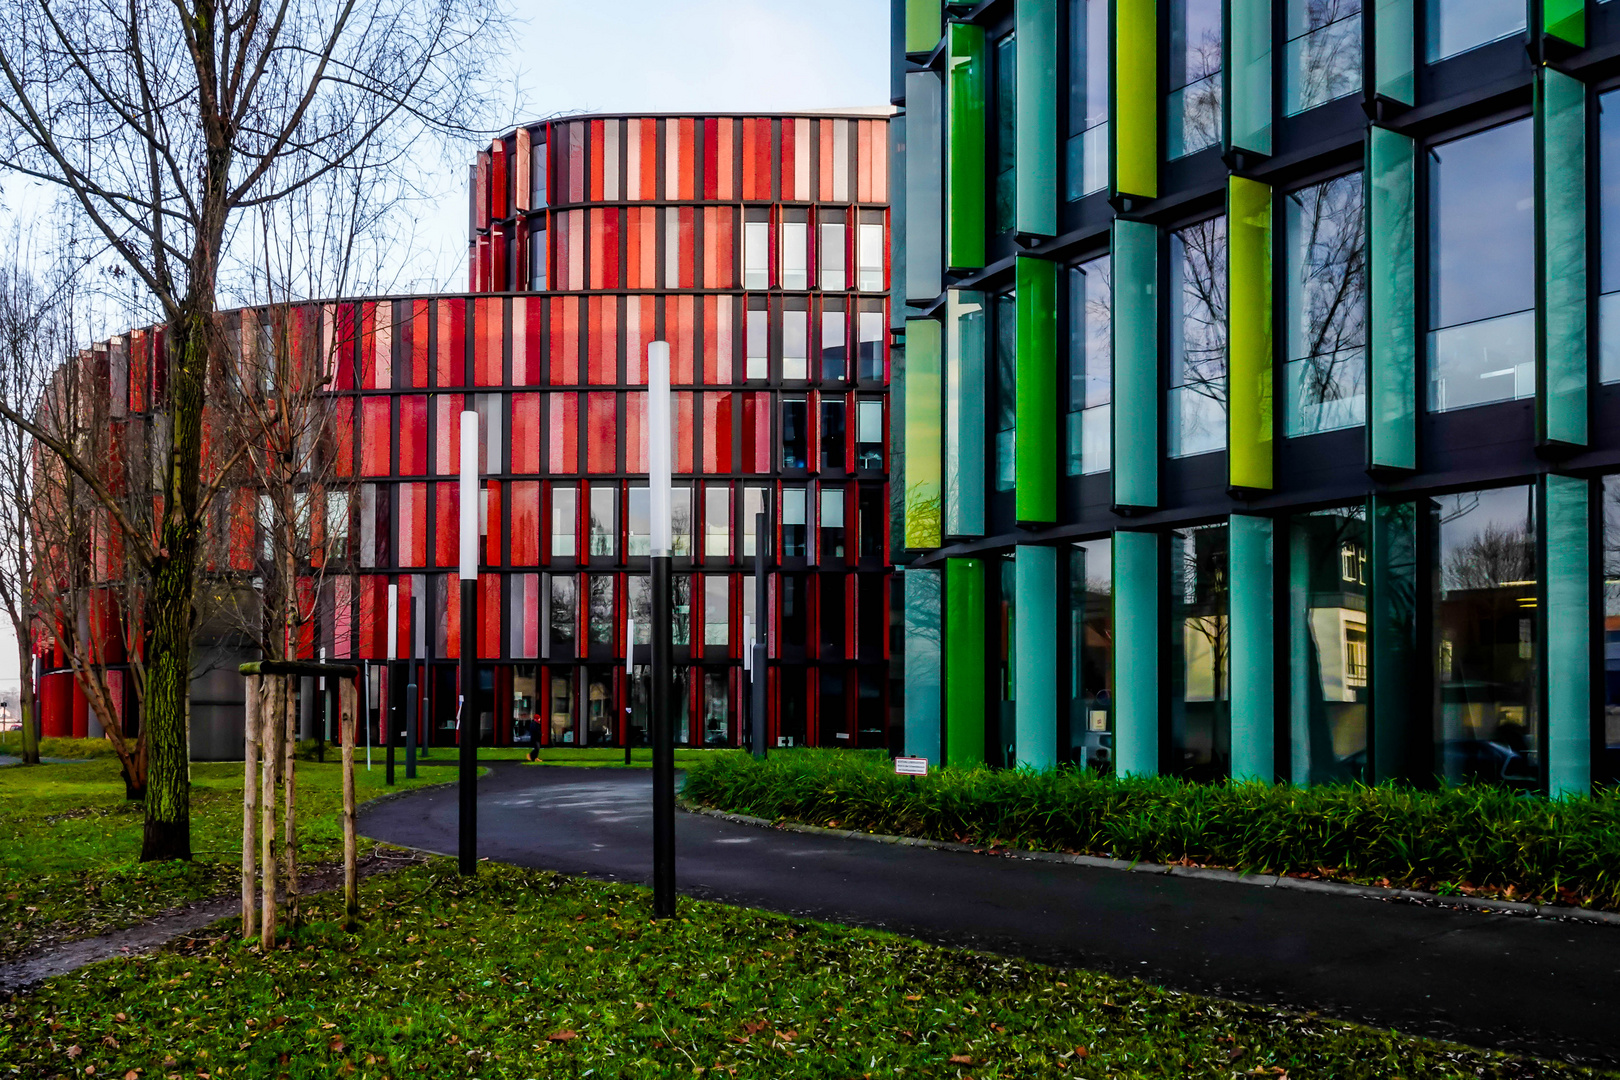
x,y
601,716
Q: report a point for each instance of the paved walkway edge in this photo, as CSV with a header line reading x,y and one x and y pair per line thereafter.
x,y
1278,881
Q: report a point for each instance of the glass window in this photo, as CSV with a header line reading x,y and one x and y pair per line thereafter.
x,y
832,522
1485,627
834,341
1326,292
1197,293
564,513
680,520
716,709
870,356
795,251
869,434
1455,26
1323,53
1609,223
717,521
1006,148
639,605
604,519
753,505
561,616
794,529
1611,624
795,625
1327,645
1482,259
1006,390
680,590
759,342
716,609
870,508
1194,105
1200,644
796,344
601,608
538,195
832,434
337,524
537,260
1091,368
638,527
870,253
830,255
795,437
1091,655
1087,151
756,251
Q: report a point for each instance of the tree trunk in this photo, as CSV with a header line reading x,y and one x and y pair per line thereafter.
x,y
250,805
25,697
289,795
351,887
267,811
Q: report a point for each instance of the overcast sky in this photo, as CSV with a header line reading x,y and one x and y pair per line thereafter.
x,y
637,55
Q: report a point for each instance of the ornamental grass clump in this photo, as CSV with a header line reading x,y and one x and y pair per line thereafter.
x,y
1472,839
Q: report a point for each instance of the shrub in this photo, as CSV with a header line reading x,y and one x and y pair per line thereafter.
x,y
1472,839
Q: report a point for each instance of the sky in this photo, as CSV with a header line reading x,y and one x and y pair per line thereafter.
x,y
637,55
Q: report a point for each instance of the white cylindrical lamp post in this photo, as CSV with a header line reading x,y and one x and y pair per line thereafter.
x,y
659,443
467,735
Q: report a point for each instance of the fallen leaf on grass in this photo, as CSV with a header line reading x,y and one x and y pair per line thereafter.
x,y
562,1036
73,1052
961,1059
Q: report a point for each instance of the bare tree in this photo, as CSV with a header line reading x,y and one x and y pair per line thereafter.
x,y
162,121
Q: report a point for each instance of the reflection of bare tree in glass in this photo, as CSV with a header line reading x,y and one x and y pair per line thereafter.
x,y
1330,318
1203,572
601,607
1201,117
922,517
1495,557
562,608
1327,65
1203,325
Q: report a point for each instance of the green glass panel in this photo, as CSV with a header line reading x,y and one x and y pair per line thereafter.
x,y
1569,635
1248,75
1392,274
923,20
1395,51
1134,126
965,67
1565,19
965,661
922,656
1561,375
1035,696
1252,649
1401,722
1037,140
1249,348
925,214
1136,364
1136,653
922,403
1037,419
966,398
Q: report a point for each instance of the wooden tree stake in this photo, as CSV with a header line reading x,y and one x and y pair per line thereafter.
x,y
289,796
351,886
250,807
269,713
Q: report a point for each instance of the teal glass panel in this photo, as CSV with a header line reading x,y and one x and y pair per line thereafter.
x,y
925,216
1001,753
1200,684
1037,452
1561,258
1091,655
1136,653
965,403
965,164
1254,694
922,407
1400,721
1248,67
1005,403
1135,449
965,660
1327,645
1392,275
922,657
1037,34
898,234
1569,634
1395,51
1036,612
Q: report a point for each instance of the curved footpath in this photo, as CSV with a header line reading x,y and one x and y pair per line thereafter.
x,y
1533,985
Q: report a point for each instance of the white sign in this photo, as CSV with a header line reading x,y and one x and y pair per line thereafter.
x,y
911,766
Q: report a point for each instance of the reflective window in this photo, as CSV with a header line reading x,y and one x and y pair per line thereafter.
x,y
795,531
1323,53
796,343
832,522
1196,418
1327,645
1006,390
871,331
638,527
1200,647
795,251
717,521
795,603
561,616
1611,624
870,252
756,251
1091,375
716,609
1006,146
1455,26
537,260
870,509
600,611
639,606
834,341
1326,294
1609,222
869,434
1482,259
1087,150
830,254
795,434
716,709
680,588
1193,119
1091,655
759,342
832,434
538,196
564,513
604,519
753,505
1003,593
1485,627
680,520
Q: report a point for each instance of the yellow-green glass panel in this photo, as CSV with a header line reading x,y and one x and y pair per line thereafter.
x,y
1135,101
1249,364
923,406
923,22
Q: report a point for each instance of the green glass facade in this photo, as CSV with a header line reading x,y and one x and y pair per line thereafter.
x,y
1273,388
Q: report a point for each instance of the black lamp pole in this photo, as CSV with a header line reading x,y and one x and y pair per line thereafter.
x,y
467,841
663,742
762,542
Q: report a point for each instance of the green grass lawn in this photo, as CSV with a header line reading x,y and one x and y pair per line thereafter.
x,y
69,844
525,973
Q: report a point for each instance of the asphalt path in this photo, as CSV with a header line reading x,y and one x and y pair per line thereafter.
x,y
1540,986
